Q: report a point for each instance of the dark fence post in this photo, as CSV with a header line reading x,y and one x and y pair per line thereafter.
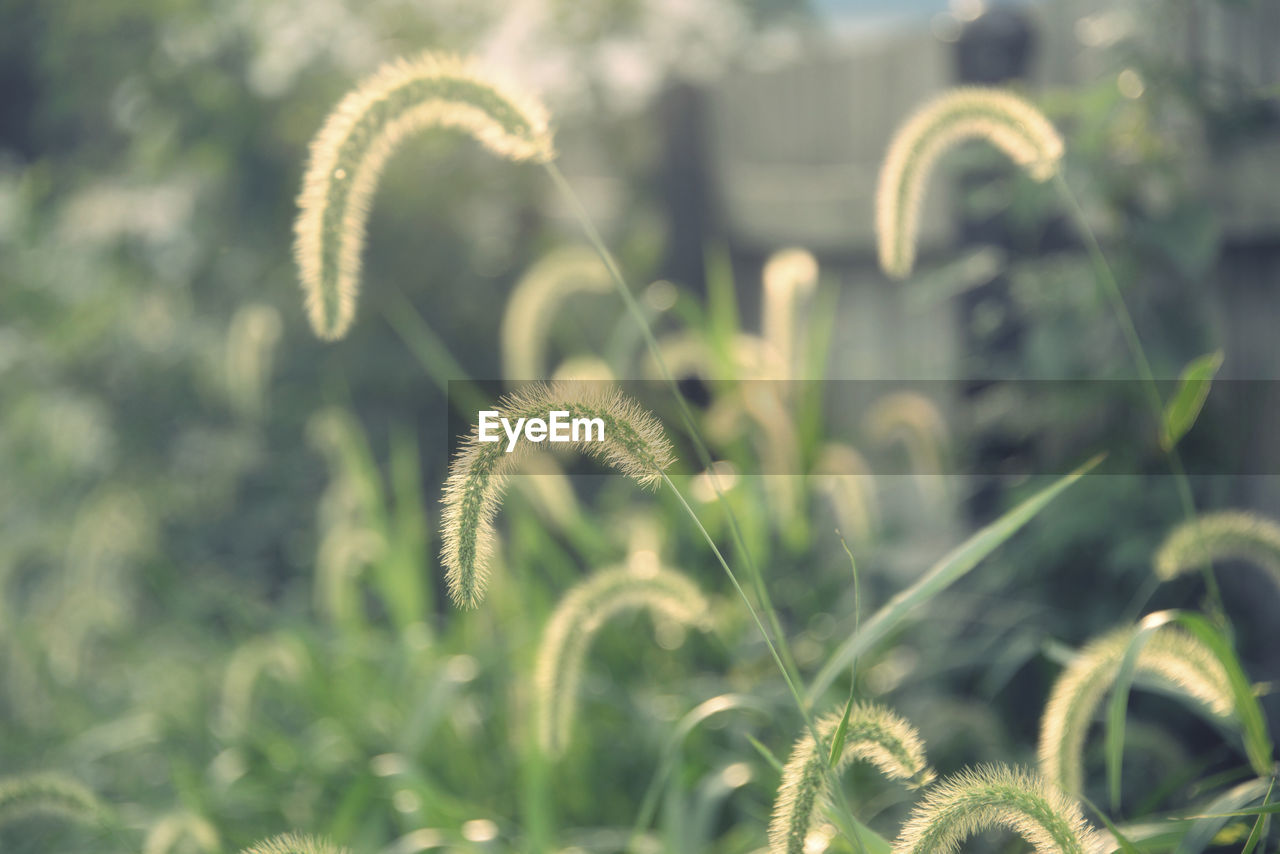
x,y
994,49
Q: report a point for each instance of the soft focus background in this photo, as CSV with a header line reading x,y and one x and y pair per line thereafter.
x,y
222,605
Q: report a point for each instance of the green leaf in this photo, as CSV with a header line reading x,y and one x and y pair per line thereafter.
x,y
1199,835
837,740
1117,709
944,573
1125,845
1253,724
1181,412
1255,835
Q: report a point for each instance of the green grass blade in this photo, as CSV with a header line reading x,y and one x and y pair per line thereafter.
x,y
1255,835
1125,845
1184,407
947,571
842,731
1118,707
1253,724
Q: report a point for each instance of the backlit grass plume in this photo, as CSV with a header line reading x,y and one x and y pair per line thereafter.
x,y
874,734
788,279
633,443
351,149
533,304
665,593
48,794
1001,118
292,843
1170,653
996,796
1227,535
170,832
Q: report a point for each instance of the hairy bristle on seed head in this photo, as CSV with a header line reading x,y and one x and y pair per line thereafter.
x,y
1001,118
634,444
996,796
1170,653
1225,535
361,134
873,734
582,612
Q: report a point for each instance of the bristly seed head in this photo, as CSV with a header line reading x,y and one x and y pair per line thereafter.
x,y
1170,653
1002,118
633,443
583,611
996,796
360,135
874,734
1225,535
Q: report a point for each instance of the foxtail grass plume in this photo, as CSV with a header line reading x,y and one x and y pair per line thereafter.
x,y
665,593
48,794
1170,653
789,278
1001,118
843,474
360,135
914,421
874,734
292,843
1226,535
560,275
992,796
168,834
633,443
280,656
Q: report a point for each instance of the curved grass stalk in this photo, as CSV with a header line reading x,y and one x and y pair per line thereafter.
x,y
915,421
996,796
633,443
1225,535
280,656
789,277
1001,118
843,474
688,354
292,843
360,135
874,734
48,794
166,834
532,306
1173,655
580,615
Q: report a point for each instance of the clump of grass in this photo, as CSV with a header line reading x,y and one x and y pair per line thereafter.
x,y
1170,653
360,135
996,796
581,614
633,443
872,733
1225,535
1001,118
